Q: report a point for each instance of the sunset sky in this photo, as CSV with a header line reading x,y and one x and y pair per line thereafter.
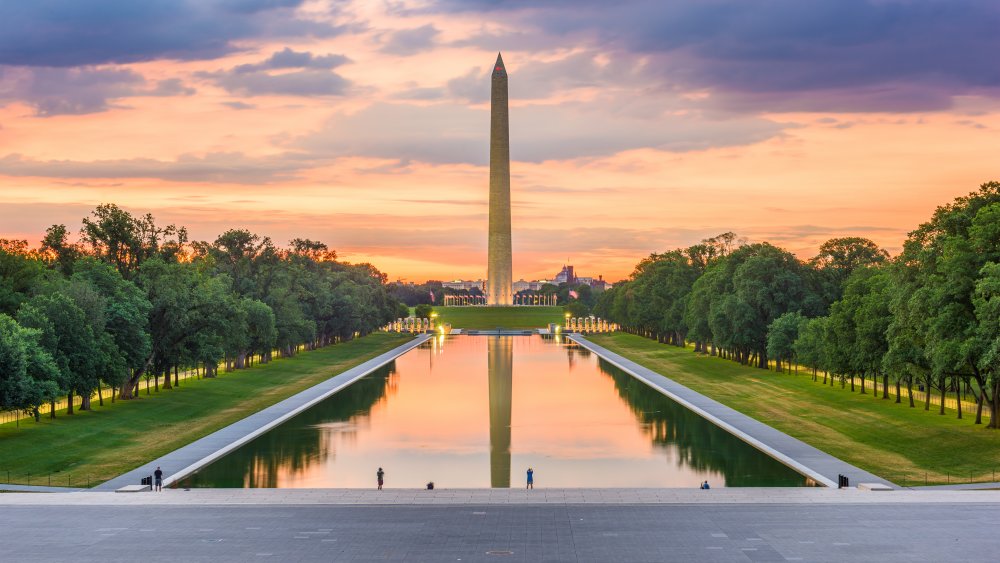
x,y
636,126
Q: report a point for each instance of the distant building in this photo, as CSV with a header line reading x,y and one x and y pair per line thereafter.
x,y
566,275
597,285
461,285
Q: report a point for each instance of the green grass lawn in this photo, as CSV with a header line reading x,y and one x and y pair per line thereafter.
x,y
894,441
110,440
493,317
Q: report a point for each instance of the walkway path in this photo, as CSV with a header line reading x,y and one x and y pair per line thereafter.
x,y
410,497
994,486
181,462
37,489
699,531
814,463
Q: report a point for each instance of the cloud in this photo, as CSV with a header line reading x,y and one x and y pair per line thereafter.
x,y
172,87
786,55
58,91
417,94
299,74
287,58
73,91
299,83
445,133
410,41
472,87
212,167
66,33
537,80
239,105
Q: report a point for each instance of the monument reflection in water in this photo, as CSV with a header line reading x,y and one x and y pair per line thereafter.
x,y
500,363
477,411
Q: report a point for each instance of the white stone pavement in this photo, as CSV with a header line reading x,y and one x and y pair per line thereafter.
x,y
741,495
820,466
181,462
37,489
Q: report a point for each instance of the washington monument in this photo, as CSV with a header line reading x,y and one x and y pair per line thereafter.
x,y
499,273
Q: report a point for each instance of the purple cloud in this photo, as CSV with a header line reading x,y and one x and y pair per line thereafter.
x,y
73,33
311,75
410,41
902,55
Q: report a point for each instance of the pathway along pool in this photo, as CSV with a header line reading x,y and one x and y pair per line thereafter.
x,y
478,411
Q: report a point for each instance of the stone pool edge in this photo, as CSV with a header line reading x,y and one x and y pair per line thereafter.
x,y
796,454
207,449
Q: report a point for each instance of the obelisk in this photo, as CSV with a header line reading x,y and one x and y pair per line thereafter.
x,y
499,275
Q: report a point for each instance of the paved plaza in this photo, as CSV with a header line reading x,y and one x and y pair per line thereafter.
x,y
600,525
817,525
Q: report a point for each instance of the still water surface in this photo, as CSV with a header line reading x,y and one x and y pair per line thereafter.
x,y
477,411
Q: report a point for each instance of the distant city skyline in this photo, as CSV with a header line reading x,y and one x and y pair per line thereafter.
x,y
566,275
635,127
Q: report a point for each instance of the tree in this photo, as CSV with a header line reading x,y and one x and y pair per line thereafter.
x,y
68,337
659,290
781,337
838,258
810,346
126,320
987,308
116,237
423,311
858,324
28,375
757,284
249,260
20,274
699,307
576,309
61,253
935,331
260,327
187,320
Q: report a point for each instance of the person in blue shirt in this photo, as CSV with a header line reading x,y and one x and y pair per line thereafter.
x,y
531,478
705,485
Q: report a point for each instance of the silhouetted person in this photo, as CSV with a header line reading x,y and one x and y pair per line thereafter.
x,y
381,477
158,479
531,478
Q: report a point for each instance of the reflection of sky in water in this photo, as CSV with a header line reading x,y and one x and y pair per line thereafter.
x,y
475,411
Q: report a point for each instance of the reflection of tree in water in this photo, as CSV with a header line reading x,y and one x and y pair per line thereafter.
x,y
573,351
302,442
700,444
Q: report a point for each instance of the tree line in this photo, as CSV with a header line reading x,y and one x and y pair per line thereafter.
x,y
132,299
929,316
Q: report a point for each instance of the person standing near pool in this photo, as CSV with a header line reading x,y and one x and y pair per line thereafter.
x,y
381,475
158,476
531,478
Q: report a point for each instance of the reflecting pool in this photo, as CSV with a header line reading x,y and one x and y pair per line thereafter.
x,y
478,411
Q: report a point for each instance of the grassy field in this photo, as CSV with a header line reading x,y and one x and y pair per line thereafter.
x,y
493,317
110,440
894,441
